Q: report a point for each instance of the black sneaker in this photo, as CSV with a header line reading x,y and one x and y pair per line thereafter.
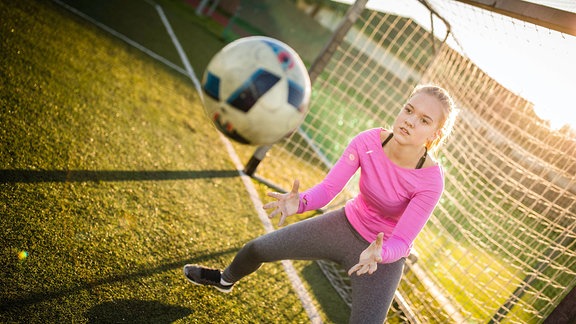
x,y
200,275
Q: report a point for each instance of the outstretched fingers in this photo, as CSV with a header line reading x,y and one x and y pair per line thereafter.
x,y
275,195
378,247
282,218
354,269
295,187
270,205
379,240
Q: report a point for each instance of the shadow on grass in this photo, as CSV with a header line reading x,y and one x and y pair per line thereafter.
x,y
133,311
36,176
33,298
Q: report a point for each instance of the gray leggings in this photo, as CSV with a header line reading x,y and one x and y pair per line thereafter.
x,y
328,237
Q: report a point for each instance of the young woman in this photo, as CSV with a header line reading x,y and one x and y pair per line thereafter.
x,y
400,185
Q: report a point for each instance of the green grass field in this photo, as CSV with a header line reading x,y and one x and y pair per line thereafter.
x,y
111,178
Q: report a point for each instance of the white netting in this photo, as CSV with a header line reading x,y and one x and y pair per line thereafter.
x,y
500,246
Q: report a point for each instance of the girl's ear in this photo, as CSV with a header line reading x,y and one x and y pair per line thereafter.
x,y
434,140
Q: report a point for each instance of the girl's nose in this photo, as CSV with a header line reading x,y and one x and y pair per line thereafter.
x,y
409,121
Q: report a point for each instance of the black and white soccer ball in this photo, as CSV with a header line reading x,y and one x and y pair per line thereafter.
x,y
256,90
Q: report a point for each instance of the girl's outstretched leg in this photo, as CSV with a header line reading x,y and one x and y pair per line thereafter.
x,y
322,237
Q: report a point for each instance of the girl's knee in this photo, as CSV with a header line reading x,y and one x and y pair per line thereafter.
x,y
252,249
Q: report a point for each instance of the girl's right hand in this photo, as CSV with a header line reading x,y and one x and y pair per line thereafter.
x,y
286,204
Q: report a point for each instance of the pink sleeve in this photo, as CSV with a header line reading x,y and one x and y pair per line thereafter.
x,y
412,221
321,194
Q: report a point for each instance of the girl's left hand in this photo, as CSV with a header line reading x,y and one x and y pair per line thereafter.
x,y
369,258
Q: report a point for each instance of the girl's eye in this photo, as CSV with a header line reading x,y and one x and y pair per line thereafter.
x,y
424,121
408,110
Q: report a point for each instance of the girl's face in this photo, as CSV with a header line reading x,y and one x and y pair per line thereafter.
x,y
419,120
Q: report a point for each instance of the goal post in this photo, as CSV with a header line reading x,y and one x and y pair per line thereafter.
x,y
549,17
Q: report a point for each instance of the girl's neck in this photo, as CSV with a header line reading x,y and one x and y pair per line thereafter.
x,y
406,156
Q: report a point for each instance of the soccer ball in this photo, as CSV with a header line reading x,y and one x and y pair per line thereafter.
x,y
256,90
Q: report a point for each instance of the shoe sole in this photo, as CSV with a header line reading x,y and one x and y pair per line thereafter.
x,y
226,291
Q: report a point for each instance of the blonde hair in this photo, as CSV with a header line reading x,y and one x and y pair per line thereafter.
x,y
450,112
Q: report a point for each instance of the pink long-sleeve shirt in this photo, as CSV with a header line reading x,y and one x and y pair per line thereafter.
x,y
393,200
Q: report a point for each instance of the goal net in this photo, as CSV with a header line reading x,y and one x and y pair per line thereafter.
x,y
500,246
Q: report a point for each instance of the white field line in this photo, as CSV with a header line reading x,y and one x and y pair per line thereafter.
x,y
179,48
288,267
